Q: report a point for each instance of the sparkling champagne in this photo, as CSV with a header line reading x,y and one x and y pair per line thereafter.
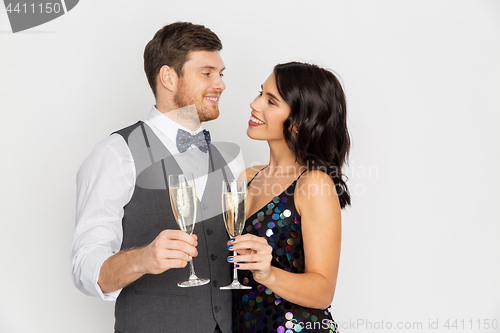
x,y
234,206
183,201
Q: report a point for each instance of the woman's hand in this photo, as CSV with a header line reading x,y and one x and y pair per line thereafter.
x,y
254,254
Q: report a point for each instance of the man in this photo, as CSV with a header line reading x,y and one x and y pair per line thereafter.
x,y
127,245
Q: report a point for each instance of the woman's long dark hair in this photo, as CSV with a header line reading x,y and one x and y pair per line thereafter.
x,y
318,114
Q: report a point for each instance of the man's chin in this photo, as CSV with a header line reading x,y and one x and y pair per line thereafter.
x,y
209,115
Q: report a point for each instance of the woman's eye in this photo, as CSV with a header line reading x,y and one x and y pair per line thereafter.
x,y
271,102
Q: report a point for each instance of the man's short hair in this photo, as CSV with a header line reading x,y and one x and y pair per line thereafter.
x,y
171,46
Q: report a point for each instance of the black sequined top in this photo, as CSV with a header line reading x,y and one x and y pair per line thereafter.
x,y
259,309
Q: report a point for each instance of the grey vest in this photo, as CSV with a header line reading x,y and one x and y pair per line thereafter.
x,y
154,303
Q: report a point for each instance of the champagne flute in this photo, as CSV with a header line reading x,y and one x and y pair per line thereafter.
x,y
183,200
234,207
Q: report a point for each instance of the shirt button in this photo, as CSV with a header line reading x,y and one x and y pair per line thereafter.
x,y
209,231
215,283
216,308
213,257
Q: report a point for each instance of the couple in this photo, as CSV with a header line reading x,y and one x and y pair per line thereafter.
x,y
127,246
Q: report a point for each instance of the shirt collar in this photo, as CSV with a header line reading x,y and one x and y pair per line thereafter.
x,y
166,125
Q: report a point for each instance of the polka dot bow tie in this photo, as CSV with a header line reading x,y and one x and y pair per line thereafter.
x,y
201,140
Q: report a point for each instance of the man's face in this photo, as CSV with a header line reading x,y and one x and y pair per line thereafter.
x,y
201,85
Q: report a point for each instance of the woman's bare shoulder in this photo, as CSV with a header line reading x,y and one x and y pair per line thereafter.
x,y
252,171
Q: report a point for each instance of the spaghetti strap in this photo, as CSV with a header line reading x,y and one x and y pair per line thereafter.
x,y
300,175
248,184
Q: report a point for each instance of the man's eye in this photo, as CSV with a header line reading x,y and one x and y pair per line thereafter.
x,y
260,93
207,74
221,74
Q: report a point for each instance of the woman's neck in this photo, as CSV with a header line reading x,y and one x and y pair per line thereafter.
x,y
282,161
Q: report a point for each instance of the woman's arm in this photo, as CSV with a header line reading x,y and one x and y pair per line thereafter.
x,y
317,203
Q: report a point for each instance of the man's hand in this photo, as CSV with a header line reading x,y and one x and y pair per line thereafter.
x,y
170,249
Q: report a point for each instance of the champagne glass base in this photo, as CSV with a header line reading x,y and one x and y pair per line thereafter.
x,y
193,282
235,285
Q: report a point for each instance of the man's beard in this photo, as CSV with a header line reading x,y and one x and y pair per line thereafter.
x,y
184,97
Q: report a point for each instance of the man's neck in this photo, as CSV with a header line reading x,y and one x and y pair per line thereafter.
x,y
186,116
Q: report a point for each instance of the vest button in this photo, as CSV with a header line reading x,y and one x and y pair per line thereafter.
x,y
209,232
213,257
216,308
215,283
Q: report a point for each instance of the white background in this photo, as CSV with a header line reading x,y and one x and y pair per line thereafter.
x,y
422,79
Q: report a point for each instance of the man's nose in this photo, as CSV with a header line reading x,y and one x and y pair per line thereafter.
x,y
219,84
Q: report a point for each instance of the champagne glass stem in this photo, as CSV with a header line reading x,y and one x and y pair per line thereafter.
x,y
235,271
191,270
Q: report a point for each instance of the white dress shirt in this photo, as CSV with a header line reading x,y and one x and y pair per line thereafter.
x,y
105,184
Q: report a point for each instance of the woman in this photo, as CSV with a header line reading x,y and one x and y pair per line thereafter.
x,y
290,251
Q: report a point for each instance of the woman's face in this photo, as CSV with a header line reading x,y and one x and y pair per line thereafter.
x,y
269,112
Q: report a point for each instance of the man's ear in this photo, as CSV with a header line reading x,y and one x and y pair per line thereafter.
x,y
167,77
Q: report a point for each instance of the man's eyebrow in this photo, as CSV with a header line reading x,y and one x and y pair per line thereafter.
x,y
211,67
269,94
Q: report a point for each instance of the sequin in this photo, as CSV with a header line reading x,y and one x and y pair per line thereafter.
x,y
290,241
275,216
276,199
284,199
270,206
269,212
269,233
289,324
287,213
314,318
258,225
289,315
281,329
270,225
